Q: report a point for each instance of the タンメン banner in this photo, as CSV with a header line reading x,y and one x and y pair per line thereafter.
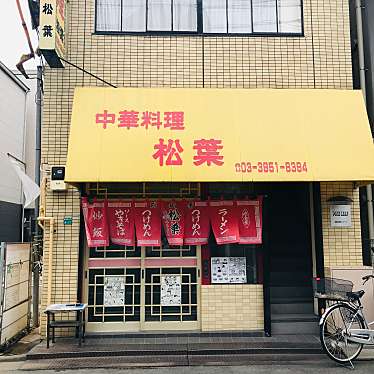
x,y
148,223
224,221
95,220
197,226
121,222
172,214
249,213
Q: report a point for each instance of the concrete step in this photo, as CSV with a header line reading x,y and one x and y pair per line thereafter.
x,y
172,350
294,324
294,328
282,275
291,292
294,317
293,308
290,278
150,362
290,263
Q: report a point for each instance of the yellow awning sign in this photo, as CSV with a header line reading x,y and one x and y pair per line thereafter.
x,y
208,135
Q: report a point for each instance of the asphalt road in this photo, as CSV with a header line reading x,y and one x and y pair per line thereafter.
x,y
321,366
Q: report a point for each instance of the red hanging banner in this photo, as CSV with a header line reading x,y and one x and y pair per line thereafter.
x,y
250,221
172,213
121,222
224,221
148,223
95,220
197,227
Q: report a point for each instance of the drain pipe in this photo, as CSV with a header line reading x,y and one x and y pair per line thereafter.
x,y
42,220
361,60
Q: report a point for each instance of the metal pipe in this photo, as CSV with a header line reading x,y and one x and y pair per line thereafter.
x,y
361,60
50,261
25,27
36,259
41,222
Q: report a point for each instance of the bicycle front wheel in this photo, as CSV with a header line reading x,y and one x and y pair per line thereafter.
x,y
333,333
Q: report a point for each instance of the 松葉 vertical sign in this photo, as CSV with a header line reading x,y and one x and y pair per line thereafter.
x,y
52,31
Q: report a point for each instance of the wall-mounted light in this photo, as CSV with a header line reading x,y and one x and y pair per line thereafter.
x,y
340,200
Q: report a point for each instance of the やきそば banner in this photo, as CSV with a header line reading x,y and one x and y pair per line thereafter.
x,y
184,222
212,135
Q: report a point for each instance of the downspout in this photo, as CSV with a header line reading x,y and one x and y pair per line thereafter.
x,y
42,219
361,60
36,255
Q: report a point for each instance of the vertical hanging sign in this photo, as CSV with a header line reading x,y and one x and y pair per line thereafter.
x,y
173,220
249,214
224,221
52,31
95,220
147,223
121,223
197,227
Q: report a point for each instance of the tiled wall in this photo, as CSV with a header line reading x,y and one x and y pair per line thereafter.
x,y
232,307
320,59
342,246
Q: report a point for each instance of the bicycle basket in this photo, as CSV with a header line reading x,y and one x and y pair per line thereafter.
x,y
331,288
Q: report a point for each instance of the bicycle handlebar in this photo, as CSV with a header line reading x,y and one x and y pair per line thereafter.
x,y
367,277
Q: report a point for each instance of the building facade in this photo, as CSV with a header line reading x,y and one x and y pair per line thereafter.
x,y
14,129
288,44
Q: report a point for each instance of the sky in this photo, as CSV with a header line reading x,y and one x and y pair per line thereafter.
x,y
13,41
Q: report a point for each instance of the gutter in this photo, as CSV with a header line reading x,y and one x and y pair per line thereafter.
x,y
361,59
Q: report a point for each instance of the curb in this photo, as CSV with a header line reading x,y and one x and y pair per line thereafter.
x,y
13,358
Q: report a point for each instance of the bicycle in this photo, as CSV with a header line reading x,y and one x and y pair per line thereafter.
x,y
343,327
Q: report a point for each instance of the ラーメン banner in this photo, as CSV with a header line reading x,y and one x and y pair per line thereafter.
x,y
148,223
96,223
224,221
216,135
121,222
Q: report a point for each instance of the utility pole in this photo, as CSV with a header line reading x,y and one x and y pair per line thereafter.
x,y
36,254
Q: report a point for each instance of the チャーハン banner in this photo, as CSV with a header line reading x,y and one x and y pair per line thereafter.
x,y
96,223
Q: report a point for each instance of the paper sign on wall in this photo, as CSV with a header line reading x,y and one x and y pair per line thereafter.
x,y
114,291
229,270
340,215
171,290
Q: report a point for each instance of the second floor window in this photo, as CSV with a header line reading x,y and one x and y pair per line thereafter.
x,y
200,16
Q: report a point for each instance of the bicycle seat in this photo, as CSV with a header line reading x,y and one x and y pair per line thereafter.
x,y
355,295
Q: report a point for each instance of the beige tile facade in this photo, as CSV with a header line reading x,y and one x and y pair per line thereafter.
x,y
342,246
320,59
232,307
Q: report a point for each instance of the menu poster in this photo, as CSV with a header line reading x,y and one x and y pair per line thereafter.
x,y
229,270
171,290
220,270
114,291
238,269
